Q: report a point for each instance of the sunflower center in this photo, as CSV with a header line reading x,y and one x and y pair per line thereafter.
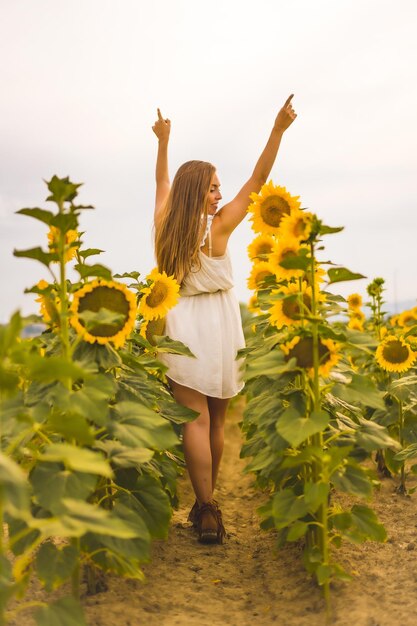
x,y
291,306
303,353
263,248
157,295
273,209
103,297
395,352
299,227
260,277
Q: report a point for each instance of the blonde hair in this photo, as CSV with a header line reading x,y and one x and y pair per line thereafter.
x,y
180,228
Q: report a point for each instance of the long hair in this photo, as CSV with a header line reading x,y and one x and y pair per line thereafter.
x,y
180,229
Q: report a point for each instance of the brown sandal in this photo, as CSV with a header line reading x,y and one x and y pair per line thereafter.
x,y
210,524
193,514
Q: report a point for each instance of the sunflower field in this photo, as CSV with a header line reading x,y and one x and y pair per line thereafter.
x,y
90,447
331,392
91,436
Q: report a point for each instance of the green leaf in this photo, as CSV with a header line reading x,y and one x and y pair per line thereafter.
x,y
14,493
299,262
361,389
367,523
329,230
54,564
297,530
136,425
287,508
134,275
62,612
339,274
124,456
410,452
62,189
38,214
77,459
272,364
323,573
65,222
97,270
10,333
352,479
38,254
295,428
51,484
71,426
153,505
166,344
56,368
372,436
91,252
92,319
315,495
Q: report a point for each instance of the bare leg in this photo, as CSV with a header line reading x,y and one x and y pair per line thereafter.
x,y
196,441
217,408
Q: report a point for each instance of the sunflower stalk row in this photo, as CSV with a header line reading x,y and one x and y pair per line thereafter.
x,y
90,447
317,403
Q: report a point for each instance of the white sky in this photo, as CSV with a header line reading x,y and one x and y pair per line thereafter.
x,y
81,80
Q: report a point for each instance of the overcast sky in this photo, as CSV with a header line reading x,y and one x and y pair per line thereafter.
x,y
81,80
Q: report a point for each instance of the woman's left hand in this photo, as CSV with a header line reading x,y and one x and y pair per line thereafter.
x,y
286,115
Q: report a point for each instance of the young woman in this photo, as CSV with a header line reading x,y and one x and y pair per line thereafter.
x,y
191,235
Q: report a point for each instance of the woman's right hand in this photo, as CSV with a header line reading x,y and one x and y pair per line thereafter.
x,y
162,127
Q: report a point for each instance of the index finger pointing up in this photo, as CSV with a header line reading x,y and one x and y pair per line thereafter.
x,y
288,100
159,115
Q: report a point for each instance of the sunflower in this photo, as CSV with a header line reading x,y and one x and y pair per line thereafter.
x,y
297,225
355,324
160,296
291,309
269,206
283,250
301,348
111,296
259,272
149,328
261,246
253,305
354,301
71,236
49,302
407,318
394,354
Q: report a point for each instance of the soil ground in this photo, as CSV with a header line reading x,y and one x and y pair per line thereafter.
x,y
248,581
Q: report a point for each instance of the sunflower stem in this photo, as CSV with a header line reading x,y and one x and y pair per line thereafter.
x,y
318,469
402,488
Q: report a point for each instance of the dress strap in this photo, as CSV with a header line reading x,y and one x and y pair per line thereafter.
x,y
210,245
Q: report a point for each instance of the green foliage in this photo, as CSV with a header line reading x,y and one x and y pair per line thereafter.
x,y
89,437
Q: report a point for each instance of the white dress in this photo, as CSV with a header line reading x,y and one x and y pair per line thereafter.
x,y
207,320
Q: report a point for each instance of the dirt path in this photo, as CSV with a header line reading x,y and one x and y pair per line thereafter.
x,y
247,581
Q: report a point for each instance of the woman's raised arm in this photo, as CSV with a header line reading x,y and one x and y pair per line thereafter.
x,y
162,129
233,213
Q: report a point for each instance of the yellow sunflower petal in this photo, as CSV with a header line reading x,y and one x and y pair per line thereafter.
x,y
261,246
71,236
296,225
259,272
292,308
354,301
394,354
111,296
160,296
285,249
269,206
